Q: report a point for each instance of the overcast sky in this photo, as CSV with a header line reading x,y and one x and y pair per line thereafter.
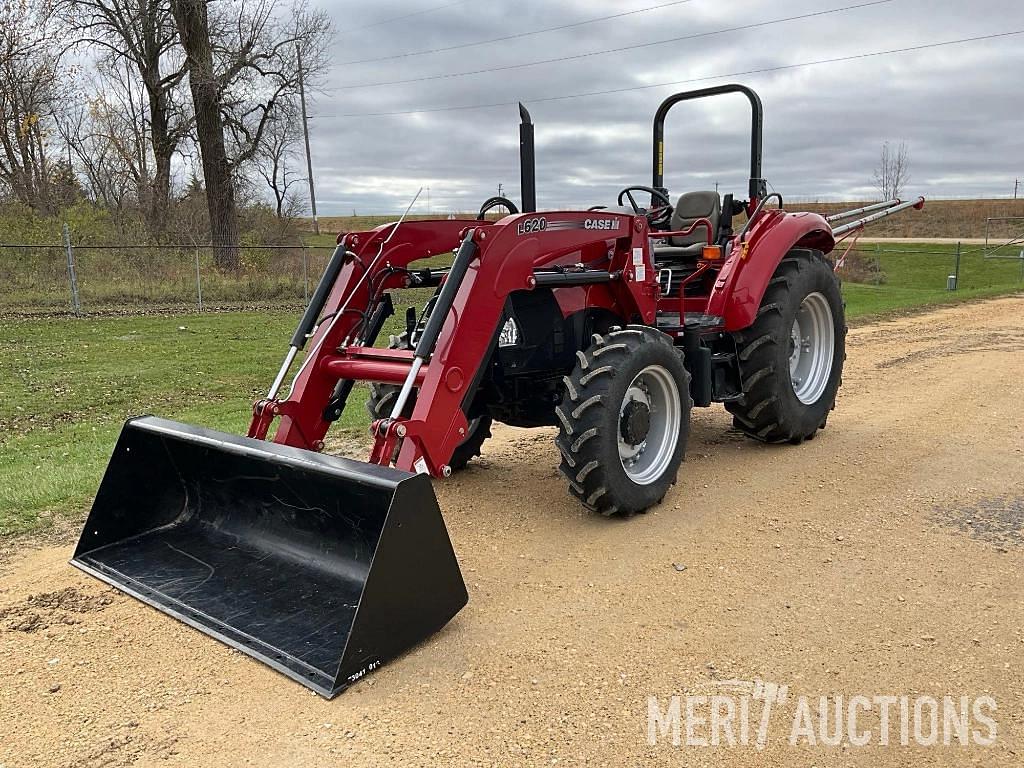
x,y
959,108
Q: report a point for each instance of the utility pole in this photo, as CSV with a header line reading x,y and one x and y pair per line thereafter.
x,y
305,134
1016,184
499,188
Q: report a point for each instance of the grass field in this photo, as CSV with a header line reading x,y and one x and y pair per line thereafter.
x,y
915,275
67,385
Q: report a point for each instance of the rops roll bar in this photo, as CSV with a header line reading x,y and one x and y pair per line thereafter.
x,y
758,186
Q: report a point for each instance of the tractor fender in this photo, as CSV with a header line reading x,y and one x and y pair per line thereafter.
x,y
741,284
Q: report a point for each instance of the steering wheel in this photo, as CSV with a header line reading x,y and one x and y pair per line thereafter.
x,y
496,202
659,214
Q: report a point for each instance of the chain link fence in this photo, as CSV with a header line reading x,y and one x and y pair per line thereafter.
x,y
117,279
60,278
931,268
998,246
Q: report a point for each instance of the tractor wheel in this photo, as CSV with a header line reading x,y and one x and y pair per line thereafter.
x,y
791,358
625,417
382,400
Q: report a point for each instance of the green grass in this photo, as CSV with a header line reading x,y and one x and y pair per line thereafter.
x,y
67,385
915,277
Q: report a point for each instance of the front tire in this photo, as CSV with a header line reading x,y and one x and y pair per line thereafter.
x,y
625,417
791,358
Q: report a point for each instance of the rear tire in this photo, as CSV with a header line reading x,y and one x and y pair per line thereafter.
x,y
791,358
382,400
625,417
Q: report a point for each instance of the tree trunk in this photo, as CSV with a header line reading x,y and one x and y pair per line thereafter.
x,y
193,27
163,150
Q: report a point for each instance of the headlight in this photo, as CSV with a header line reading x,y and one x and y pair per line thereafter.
x,y
509,334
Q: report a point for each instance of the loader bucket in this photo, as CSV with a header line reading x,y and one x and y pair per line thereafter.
x,y
321,567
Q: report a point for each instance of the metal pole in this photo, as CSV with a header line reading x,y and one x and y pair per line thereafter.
x,y
199,282
305,133
305,274
956,271
866,209
76,302
919,203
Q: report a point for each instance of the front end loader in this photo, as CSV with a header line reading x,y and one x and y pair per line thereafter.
x,y
609,324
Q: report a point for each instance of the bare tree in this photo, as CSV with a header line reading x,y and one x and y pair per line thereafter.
x,y
242,64
277,157
141,33
31,75
188,220
105,177
106,133
893,173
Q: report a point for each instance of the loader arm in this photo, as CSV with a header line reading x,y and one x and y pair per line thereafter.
x,y
517,253
374,264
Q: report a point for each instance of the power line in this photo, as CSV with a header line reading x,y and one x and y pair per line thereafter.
x,y
611,91
406,16
516,36
606,51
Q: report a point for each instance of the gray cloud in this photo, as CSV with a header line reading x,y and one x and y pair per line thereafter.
x,y
957,107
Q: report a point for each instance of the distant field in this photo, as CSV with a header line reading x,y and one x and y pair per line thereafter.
x,y
940,218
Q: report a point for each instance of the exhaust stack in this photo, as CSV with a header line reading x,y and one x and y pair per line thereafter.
x,y
527,161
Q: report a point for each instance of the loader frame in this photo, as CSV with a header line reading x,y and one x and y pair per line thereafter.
x,y
592,261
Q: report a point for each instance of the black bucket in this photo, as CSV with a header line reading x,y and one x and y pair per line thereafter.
x,y
321,567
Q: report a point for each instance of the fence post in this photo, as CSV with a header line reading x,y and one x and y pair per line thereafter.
x,y
956,282
305,274
199,282
76,302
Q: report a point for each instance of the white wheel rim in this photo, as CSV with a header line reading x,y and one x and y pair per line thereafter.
x,y
811,348
653,388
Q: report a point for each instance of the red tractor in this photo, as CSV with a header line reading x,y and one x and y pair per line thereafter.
x,y
609,323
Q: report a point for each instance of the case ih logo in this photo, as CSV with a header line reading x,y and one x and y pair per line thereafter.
x,y
530,226
541,224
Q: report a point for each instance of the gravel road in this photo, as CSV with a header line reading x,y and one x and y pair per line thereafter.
x,y
884,557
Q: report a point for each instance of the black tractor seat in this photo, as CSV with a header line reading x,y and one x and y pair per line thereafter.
x,y
691,207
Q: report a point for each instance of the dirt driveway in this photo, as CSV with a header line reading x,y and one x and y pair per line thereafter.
x,y
885,557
